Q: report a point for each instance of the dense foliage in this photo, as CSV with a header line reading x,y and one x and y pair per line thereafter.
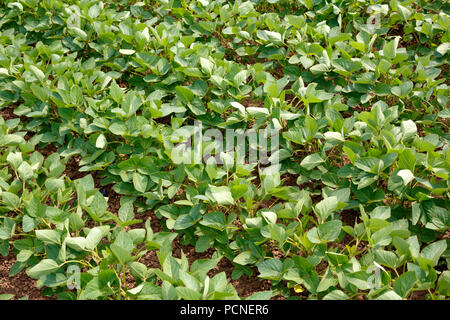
x,y
91,92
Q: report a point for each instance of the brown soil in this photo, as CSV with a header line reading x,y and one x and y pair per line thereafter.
x,y
245,285
8,113
189,251
248,285
249,102
237,223
73,169
113,201
290,179
444,74
47,150
349,217
322,266
343,161
164,120
20,285
155,223
361,108
419,295
277,253
29,135
306,185
150,259
278,72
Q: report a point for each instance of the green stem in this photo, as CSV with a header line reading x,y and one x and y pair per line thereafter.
x,y
86,264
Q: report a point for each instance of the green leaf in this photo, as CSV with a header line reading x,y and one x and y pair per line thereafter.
x,y
7,229
51,236
93,238
406,175
53,184
125,241
28,223
381,212
116,92
122,255
207,65
434,251
214,220
245,258
443,286
24,255
185,94
188,294
203,243
93,290
270,269
10,140
240,78
40,92
239,190
389,295
221,195
312,161
404,12
10,200
403,90
269,36
278,233
4,247
25,171
336,295
404,283
131,103
416,213
409,129
126,211
390,48
168,291
37,73
443,48
346,65
44,267
76,243
185,221
14,159
98,205
6,296
329,231
325,207
138,270
127,52
407,160
79,33
261,295
386,258
101,141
